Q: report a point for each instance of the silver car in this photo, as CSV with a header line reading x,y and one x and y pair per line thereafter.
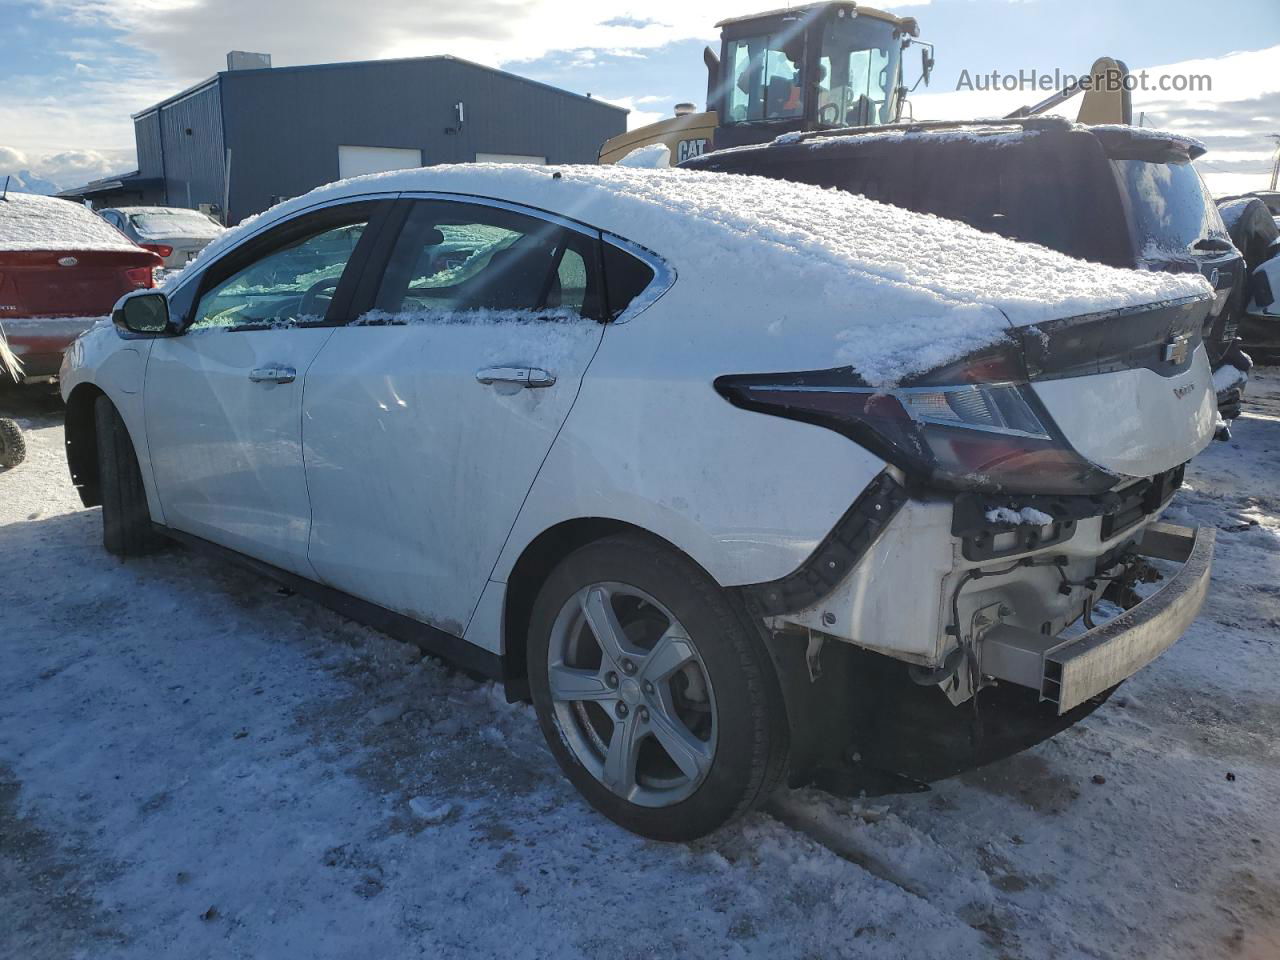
x,y
185,232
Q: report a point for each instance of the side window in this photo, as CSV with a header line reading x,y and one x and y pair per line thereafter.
x,y
291,280
626,278
454,259
571,279
766,78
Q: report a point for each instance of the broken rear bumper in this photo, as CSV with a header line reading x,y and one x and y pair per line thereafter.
x,y
1069,672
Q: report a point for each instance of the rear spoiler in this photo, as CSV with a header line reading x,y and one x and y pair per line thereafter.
x,y
1154,146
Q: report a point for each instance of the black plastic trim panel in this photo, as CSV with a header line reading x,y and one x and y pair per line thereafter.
x,y
839,552
1120,511
429,639
1141,500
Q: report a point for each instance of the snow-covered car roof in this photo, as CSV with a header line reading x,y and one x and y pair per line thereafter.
x,y
29,221
918,290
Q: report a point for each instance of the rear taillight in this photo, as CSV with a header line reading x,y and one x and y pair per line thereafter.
x,y
969,435
140,276
159,249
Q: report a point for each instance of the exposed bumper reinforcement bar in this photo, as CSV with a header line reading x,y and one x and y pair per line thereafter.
x,y
1069,672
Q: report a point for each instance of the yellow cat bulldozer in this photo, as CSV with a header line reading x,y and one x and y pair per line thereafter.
x,y
824,66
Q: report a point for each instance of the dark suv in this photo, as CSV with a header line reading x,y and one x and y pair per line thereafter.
x,y
1116,195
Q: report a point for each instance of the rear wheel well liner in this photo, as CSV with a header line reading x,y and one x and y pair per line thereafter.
x,y
81,439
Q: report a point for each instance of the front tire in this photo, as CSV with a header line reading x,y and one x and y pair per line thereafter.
x,y
126,519
13,448
655,692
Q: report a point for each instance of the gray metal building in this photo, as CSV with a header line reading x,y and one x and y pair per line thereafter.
x,y
246,138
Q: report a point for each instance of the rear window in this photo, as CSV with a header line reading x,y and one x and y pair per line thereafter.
x,y
174,223
30,222
1169,207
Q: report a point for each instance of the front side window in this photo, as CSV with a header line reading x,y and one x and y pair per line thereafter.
x,y
455,262
858,72
291,283
764,77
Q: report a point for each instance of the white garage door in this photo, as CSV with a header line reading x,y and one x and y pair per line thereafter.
x,y
508,158
354,161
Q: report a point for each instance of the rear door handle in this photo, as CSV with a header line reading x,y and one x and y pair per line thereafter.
x,y
273,375
521,376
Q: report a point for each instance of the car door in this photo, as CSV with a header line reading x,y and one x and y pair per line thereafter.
x,y
223,400
427,418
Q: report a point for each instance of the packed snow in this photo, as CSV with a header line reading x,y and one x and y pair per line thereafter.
x,y
1227,376
194,763
917,290
30,223
1026,516
653,155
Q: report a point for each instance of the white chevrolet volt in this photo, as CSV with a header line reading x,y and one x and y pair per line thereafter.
x,y
739,480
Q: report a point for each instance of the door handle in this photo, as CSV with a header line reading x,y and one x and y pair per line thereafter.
x,y
521,376
273,375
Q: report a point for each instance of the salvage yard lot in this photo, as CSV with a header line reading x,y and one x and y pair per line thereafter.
x,y
196,764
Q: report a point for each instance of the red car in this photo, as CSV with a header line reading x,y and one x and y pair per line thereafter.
x,y
61,267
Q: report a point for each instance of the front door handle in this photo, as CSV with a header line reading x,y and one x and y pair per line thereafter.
x,y
521,376
273,375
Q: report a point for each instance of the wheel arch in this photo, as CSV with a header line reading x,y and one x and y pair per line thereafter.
x,y
81,439
530,571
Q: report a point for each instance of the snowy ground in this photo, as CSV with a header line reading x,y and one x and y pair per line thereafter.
x,y
195,765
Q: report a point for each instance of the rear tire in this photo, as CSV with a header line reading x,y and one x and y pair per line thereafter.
x,y
126,519
13,448
687,675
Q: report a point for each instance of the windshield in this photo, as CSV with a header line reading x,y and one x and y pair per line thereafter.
x,y
173,223
1170,207
857,72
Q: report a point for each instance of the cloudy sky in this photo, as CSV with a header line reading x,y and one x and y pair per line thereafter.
x,y
72,71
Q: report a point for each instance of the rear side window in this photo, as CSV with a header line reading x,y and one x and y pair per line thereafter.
x,y
626,277
453,260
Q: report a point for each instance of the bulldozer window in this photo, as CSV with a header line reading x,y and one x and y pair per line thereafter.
x,y
764,78
858,72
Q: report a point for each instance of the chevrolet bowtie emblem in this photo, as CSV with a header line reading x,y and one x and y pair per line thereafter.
x,y
1175,351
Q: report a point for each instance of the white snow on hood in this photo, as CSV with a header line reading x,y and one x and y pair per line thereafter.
x,y
32,222
911,291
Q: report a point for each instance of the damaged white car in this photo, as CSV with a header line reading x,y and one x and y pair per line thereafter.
x,y
739,480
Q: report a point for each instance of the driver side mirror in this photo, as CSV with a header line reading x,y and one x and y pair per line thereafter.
x,y
926,64
144,313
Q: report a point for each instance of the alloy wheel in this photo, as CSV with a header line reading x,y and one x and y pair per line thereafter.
x,y
631,695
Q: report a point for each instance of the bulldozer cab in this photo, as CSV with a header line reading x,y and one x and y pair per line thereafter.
x,y
807,68
811,67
